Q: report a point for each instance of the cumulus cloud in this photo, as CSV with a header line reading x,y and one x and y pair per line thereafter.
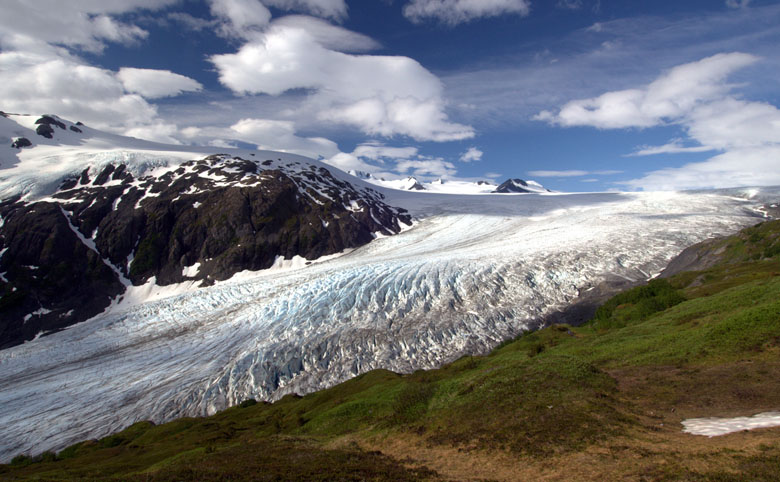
x,y
247,18
281,136
377,151
427,167
35,83
86,25
471,154
241,18
453,12
41,72
670,97
755,166
696,97
380,95
390,162
153,84
328,35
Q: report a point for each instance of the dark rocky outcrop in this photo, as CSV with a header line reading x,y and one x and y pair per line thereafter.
x,y
45,124
50,278
64,260
21,142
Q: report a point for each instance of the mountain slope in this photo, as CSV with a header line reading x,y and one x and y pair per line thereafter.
x,y
68,255
601,401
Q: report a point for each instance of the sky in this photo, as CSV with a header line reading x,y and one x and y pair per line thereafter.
x,y
579,95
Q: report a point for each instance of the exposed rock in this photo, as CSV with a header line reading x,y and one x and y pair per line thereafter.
x,y
50,120
224,214
45,130
21,142
51,279
45,124
75,129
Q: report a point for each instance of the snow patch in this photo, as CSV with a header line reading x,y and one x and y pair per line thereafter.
x,y
713,427
39,312
191,271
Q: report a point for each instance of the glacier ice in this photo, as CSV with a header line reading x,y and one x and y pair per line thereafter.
x,y
473,271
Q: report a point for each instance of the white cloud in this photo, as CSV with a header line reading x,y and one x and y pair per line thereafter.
x,y
158,132
670,97
453,12
329,36
567,173
36,84
737,3
569,4
84,24
572,173
153,84
242,18
674,147
281,136
380,95
39,73
471,154
379,152
248,18
332,9
427,167
191,22
390,163
755,166
696,97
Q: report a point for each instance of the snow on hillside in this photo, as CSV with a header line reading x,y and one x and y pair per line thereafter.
x,y
38,170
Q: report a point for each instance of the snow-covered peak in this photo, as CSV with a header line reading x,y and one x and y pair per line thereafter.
x,y
411,183
62,149
520,186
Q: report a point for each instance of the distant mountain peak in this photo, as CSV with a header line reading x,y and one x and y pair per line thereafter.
x,y
512,186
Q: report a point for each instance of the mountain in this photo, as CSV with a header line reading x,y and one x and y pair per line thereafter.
x,y
473,271
68,253
520,186
619,398
411,183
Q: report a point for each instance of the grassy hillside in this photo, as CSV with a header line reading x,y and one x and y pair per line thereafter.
x,y
604,400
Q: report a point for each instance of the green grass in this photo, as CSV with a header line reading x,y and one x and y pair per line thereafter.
x,y
546,393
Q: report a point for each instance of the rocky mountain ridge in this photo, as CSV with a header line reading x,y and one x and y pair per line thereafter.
x,y
66,257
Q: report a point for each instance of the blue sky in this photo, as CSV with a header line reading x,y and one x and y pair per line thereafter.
x,y
579,95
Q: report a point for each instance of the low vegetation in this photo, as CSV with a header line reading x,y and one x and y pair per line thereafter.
x,y
604,400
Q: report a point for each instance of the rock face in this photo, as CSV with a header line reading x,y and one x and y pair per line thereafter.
x,y
64,259
21,142
45,124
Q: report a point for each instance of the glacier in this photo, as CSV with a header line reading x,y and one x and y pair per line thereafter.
x,y
472,271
